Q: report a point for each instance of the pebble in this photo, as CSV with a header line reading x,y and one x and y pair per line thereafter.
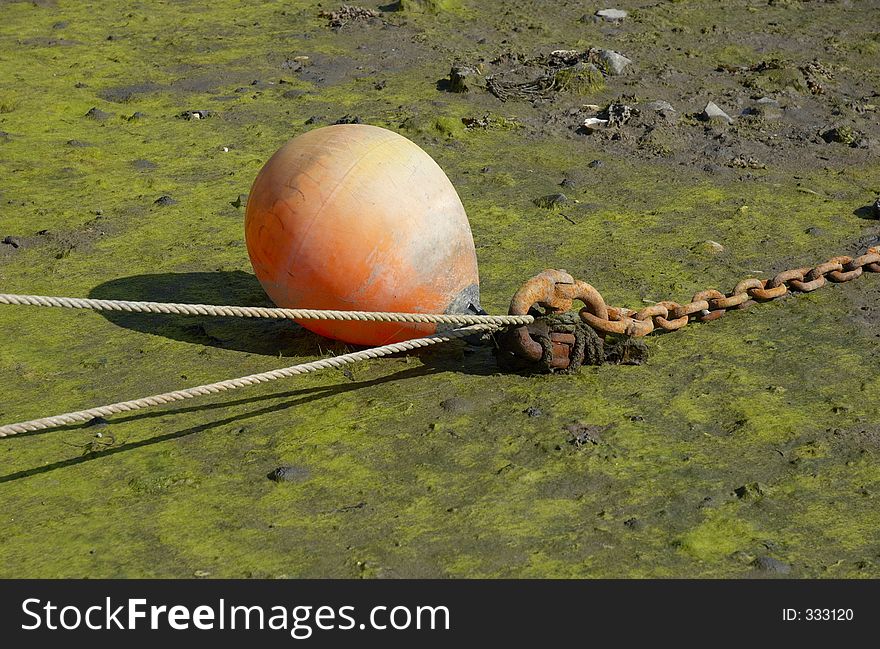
x,y
551,200
533,411
164,200
713,113
567,182
288,474
239,201
766,108
660,106
615,63
750,491
769,564
456,404
709,246
595,163
815,231
612,14
594,123
195,114
97,114
634,524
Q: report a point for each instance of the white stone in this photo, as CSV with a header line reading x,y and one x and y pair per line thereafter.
x,y
615,63
593,123
712,111
612,14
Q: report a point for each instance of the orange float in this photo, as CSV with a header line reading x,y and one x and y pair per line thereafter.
x,y
358,218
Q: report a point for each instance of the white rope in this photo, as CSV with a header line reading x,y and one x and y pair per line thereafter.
x,y
259,312
233,384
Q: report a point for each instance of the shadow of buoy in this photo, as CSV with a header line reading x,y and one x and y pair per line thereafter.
x,y
253,335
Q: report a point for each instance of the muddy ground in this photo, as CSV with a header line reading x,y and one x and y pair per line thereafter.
x,y
130,134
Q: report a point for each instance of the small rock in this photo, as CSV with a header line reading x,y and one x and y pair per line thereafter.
x,y
582,434
634,524
618,114
292,94
97,422
550,201
660,106
815,231
459,76
195,114
456,404
595,163
594,123
347,13
769,564
164,200
15,242
709,247
841,135
533,411
348,119
713,113
743,162
750,491
77,144
615,63
568,182
765,108
97,114
239,201
612,14
288,474
201,574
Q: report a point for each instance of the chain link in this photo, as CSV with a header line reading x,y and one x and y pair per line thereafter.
x,y
712,304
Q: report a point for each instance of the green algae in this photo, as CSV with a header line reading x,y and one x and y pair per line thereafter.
x,y
782,395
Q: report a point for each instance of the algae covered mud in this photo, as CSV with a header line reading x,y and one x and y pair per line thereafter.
x,y
684,145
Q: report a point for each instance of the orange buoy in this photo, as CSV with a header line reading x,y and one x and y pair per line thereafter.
x,y
358,218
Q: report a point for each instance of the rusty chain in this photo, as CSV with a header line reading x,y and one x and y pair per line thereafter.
x,y
555,291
